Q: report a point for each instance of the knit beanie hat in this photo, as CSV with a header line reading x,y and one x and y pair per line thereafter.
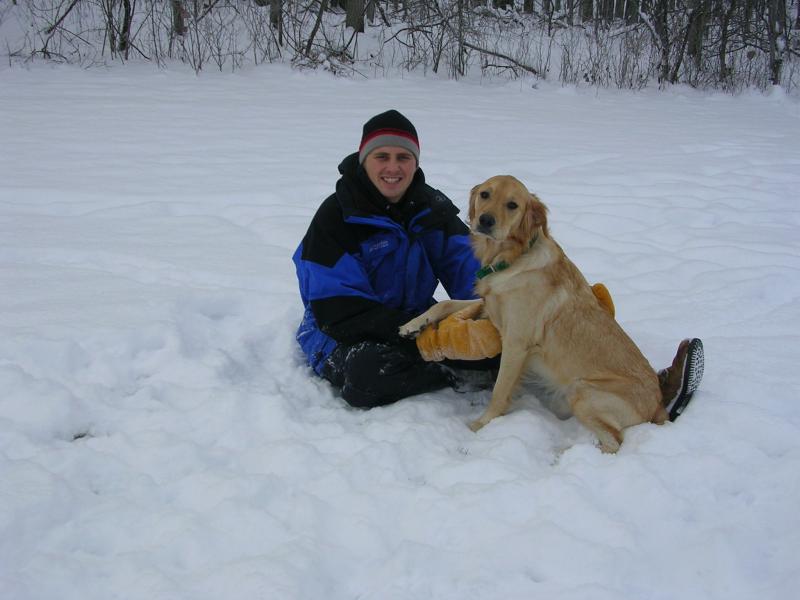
x,y
388,129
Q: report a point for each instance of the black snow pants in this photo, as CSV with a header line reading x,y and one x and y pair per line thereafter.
x,y
373,374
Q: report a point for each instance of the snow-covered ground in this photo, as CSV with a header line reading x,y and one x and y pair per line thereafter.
x,y
161,437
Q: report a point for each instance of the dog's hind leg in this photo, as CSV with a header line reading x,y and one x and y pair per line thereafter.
x,y
587,406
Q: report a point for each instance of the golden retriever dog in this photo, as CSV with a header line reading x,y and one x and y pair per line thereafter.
x,y
552,326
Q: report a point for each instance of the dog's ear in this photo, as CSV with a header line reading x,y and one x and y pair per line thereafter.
x,y
535,217
472,194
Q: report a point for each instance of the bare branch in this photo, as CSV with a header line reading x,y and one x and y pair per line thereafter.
x,y
513,61
50,30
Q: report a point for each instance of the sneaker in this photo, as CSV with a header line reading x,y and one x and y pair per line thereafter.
x,y
679,381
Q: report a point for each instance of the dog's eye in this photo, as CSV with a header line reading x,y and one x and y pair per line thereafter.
x,y
484,194
512,205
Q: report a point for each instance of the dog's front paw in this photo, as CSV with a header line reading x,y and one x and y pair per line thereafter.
x,y
476,425
413,328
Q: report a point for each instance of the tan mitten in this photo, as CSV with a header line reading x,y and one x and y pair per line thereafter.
x,y
459,338
603,297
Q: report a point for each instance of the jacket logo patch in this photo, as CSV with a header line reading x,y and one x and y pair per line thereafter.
x,y
378,246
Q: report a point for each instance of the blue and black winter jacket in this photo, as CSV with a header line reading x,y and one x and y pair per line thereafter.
x,y
365,266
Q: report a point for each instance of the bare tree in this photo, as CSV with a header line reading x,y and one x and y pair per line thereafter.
x,y
706,43
355,15
776,19
178,18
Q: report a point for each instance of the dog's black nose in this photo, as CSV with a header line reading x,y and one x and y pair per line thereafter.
x,y
486,221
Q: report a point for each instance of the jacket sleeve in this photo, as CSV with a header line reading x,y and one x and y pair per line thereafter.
x,y
349,320
335,285
451,253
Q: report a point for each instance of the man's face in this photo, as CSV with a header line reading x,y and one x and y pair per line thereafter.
x,y
391,169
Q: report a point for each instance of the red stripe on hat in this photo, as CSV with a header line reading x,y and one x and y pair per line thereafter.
x,y
380,132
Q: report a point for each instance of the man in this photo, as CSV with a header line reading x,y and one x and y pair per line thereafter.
x,y
371,260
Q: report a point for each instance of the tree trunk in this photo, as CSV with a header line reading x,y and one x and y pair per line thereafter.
x,y
178,21
124,43
355,15
724,36
697,27
661,24
587,10
461,65
797,18
276,18
776,12
673,78
111,31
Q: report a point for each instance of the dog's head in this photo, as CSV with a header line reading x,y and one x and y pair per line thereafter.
x,y
502,209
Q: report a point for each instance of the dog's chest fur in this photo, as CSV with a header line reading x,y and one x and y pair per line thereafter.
x,y
520,298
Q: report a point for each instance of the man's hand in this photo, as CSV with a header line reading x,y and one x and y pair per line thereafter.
x,y
459,338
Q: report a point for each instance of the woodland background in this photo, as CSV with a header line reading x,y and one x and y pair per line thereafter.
x,y
630,44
